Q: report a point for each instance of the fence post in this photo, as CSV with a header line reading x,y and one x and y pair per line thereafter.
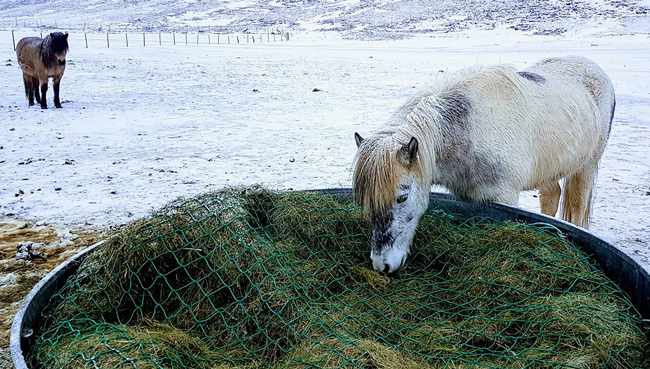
x,y
237,38
13,39
208,39
41,34
144,43
197,38
126,36
173,34
108,43
160,38
86,38
185,38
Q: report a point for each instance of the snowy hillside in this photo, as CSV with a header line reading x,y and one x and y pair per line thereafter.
x,y
372,19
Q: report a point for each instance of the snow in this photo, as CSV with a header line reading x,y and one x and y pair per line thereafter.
x,y
10,279
239,4
141,126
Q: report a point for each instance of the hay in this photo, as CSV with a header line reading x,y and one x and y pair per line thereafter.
x,y
250,278
149,345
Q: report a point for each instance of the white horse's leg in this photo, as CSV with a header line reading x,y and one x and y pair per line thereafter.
x,y
549,198
578,188
510,198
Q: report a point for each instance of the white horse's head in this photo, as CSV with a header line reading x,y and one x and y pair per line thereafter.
x,y
389,184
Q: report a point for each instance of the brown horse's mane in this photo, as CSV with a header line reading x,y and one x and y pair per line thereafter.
x,y
51,45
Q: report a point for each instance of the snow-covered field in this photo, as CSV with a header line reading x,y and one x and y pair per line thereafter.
x,y
143,125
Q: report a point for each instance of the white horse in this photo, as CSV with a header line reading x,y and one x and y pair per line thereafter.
x,y
486,133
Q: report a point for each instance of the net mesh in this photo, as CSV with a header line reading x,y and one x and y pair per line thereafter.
x,y
251,278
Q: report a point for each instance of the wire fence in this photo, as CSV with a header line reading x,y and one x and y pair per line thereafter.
x,y
125,37
39,24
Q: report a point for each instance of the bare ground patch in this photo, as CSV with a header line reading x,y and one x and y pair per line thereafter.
x,y
18,277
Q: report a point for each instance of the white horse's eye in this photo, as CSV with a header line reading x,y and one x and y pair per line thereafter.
x,y
400,199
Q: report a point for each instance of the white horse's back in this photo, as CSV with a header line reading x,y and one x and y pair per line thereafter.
x,y
553,118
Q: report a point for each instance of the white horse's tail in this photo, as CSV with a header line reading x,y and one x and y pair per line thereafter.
x,y
577,197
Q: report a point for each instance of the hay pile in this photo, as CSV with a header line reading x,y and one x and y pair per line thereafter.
x,y
250,278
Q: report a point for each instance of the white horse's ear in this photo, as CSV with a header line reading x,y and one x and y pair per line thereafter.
x,y
408,152
51,34
358,139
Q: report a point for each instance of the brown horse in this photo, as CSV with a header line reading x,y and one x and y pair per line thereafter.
x,y
40,60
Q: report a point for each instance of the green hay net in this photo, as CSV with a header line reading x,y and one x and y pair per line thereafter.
x,y
250,278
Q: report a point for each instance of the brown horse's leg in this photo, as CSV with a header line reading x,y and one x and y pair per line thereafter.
x,y
36,89
549,198
43,93
26,86
57,83
29,88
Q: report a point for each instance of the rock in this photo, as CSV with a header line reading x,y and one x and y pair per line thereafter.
x,y
23,256
29,250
